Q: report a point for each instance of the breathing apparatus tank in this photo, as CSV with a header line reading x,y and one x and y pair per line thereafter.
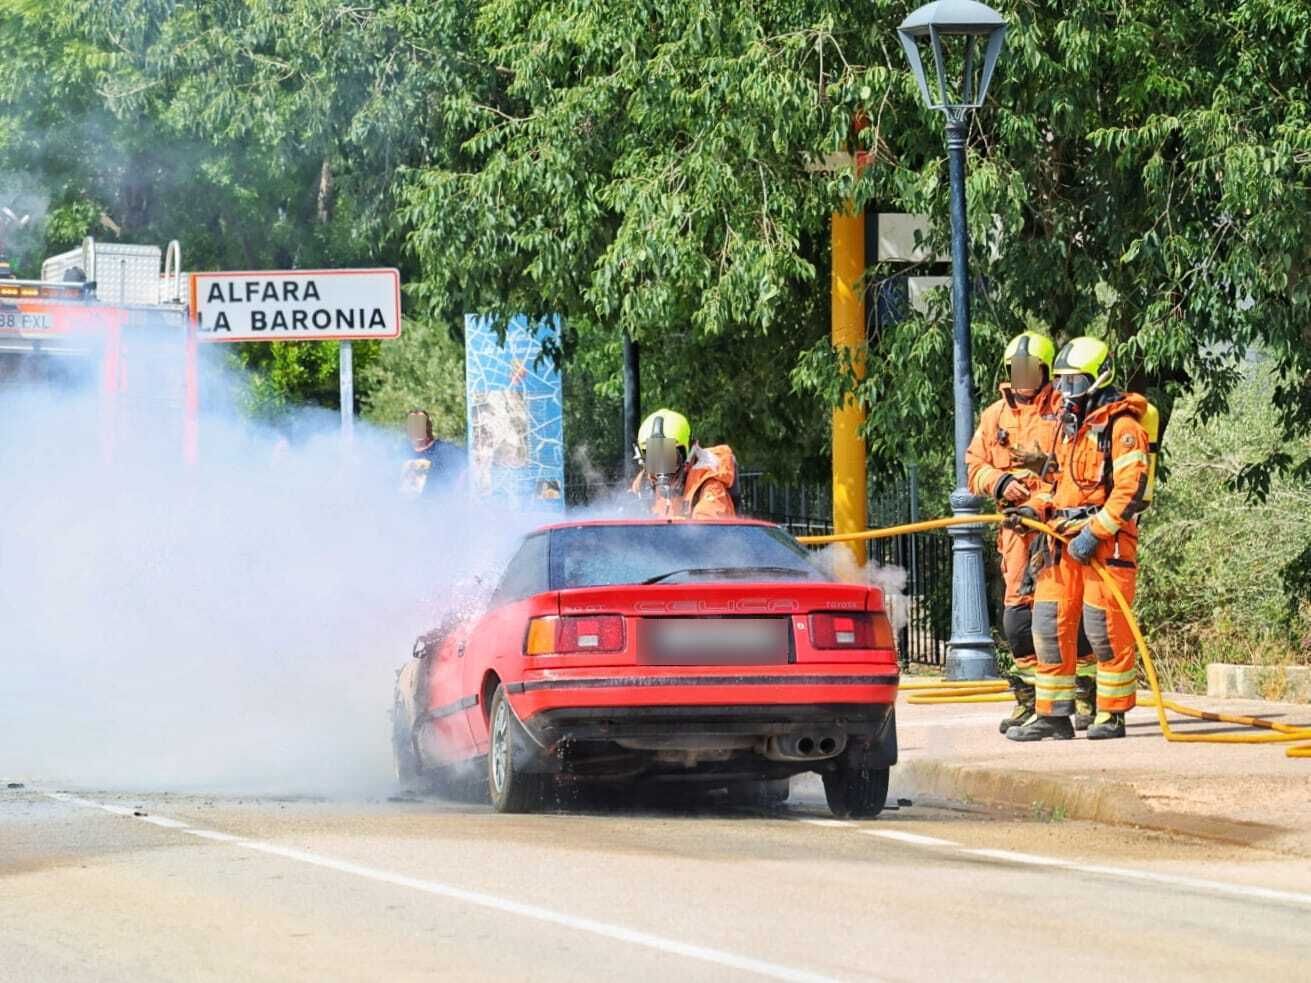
x,y
1151,422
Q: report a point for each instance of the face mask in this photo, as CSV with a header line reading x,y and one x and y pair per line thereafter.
x,y
661,457
1073,387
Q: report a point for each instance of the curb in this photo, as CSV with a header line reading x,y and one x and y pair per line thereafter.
x,y
1288,684
1081,797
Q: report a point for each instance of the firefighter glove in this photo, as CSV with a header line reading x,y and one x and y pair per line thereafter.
x,y
1011,490
1083,546
1033,459
1014,517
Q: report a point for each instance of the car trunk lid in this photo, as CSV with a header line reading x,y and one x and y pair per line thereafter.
x,y
707,623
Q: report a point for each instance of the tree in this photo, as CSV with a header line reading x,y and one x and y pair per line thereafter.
x,y
260,133
1248,608
1147,167
640,166
1140,173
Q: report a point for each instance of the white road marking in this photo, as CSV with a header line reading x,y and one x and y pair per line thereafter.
x,y
1123,873
163,821
608,930
1019,858
830,823
1173,880
916,838
210,834
116,810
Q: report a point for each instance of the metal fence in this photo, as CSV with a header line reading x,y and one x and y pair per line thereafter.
x,y
924,558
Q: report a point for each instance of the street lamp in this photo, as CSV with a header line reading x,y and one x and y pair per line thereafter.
x,y
965,39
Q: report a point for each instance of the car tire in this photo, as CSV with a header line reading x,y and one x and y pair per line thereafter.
x,y
509,786
405,759
855,791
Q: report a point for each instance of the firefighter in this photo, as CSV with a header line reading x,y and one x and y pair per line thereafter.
x,y
683,478
1010,450
1102,453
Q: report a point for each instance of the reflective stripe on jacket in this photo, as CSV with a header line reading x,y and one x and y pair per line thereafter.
x,y
1006,426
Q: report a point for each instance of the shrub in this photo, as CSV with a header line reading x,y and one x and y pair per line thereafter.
x,y
1223,578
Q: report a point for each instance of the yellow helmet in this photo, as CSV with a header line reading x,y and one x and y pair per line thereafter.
x,y
1034,345
1083,357
675,426
1028,360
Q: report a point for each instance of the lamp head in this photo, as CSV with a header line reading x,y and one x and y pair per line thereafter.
x,y
957,32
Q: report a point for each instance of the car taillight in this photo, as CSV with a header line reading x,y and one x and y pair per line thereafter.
x,y
864,630
564,636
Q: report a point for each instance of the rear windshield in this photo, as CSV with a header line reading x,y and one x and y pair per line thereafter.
x,y
597,556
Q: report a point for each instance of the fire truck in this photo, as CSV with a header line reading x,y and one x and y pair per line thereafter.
x,y
109,319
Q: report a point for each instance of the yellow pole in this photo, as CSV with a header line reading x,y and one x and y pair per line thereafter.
x,y
850,512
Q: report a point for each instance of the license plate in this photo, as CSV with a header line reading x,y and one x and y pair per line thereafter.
x,y
714,642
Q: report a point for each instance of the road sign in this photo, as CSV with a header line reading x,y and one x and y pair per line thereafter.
x,y
300,305
297,305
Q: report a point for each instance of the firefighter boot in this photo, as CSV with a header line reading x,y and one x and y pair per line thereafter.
x,y
1038,727
1024,696
1085,701
1106,726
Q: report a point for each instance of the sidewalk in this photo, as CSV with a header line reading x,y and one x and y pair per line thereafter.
x,y
1250,794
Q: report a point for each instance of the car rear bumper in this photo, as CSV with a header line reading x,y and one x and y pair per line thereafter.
x,y
549,727
587,705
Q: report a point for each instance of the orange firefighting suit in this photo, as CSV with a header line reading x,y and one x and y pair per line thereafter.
x,y
1103,478
706,493
1008,427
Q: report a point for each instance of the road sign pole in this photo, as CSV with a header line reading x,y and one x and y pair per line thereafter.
x,y
347,373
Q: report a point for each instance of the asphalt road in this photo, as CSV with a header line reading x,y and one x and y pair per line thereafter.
x,y
109,886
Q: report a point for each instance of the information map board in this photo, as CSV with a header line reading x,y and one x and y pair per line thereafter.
x,y
515,405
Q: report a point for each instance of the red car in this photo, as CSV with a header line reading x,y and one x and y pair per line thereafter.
x,y
658,650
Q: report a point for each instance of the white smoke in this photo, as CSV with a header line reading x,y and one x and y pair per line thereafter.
x,y
838,561
235,624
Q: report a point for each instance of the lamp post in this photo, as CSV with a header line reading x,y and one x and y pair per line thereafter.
x,y
965,38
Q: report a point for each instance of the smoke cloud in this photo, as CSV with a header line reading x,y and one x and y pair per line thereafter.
x,y
837,560
235,624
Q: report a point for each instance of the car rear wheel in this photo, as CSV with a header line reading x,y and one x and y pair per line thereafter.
x,y
510,787
405,760
855,791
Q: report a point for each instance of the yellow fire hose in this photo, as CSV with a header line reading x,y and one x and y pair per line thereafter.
x,y
994,691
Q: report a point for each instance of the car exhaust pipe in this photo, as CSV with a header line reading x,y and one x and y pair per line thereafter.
x,y
805,747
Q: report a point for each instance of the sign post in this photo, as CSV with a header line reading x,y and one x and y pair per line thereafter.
x,y
346,373
300,305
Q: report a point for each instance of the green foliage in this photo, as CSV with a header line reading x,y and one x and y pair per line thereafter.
x,y
1212,586
259,133
1140,172
67,225
1137,176
423,369
639,166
